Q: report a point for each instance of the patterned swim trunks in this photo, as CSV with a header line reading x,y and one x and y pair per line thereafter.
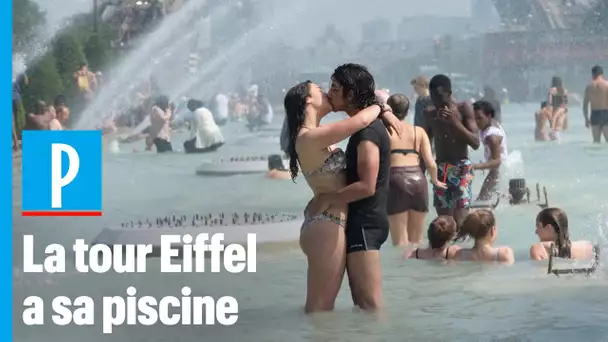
x,y
459,192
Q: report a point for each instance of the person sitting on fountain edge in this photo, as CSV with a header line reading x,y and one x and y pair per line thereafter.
x,y
452,126
494,141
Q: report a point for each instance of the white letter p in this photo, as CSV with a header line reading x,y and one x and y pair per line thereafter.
x,y
57,181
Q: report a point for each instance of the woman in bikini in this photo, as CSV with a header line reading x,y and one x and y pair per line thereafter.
x,y
311,151
408,198
441,231
552,230
481,226
558,99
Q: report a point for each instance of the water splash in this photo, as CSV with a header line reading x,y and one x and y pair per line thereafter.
x,y
57,15
19,65
157,52
114,147
174,38
514,165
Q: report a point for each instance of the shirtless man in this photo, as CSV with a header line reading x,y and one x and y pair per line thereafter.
x,y
543,116
596,94
452,126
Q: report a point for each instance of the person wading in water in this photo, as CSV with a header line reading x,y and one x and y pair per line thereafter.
x,y
452,127
596,95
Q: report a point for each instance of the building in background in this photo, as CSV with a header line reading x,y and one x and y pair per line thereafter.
x,y
379,30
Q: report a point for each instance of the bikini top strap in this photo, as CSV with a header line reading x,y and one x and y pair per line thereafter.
x,y
447,250
497,255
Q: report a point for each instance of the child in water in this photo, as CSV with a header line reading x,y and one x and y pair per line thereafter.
x,y
481,226
441,231
552,230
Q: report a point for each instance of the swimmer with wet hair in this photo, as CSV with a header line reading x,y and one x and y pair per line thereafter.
x,y
481,226
276,169
552,231
441,231
399,103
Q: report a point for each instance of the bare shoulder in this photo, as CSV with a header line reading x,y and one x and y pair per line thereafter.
x,y
466,109
302,140
460,253
538,251
505,254
453,251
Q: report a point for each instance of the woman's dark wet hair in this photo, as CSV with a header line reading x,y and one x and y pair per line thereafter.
x,y
275,162
476,225
295,107
557,83
162,102
441,231
358,83
400,105
485,107
557,219
597,71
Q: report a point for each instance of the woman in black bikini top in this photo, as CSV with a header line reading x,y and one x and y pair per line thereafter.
x,y
441,231
558,99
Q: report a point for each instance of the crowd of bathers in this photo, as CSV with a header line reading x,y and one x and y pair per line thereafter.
x,y
553,112
377,187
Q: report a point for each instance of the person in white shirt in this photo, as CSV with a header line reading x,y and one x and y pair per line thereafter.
x,y
494,140
205,135
221,109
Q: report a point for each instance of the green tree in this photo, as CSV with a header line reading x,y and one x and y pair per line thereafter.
x,y
97,52
68,53
27,20
44,83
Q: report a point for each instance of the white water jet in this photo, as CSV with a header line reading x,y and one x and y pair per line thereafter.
x,y
57,16
114,147
19,65
225,65
236,59
514,165
167,41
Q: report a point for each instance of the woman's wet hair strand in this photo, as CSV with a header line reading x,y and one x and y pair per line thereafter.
x,y
557,219
295,107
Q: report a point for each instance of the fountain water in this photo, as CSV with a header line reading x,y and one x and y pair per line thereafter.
x,y
19,65
224,65
57,15
158,52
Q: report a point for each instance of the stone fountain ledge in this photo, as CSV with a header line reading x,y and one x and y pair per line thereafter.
x,y
268,227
